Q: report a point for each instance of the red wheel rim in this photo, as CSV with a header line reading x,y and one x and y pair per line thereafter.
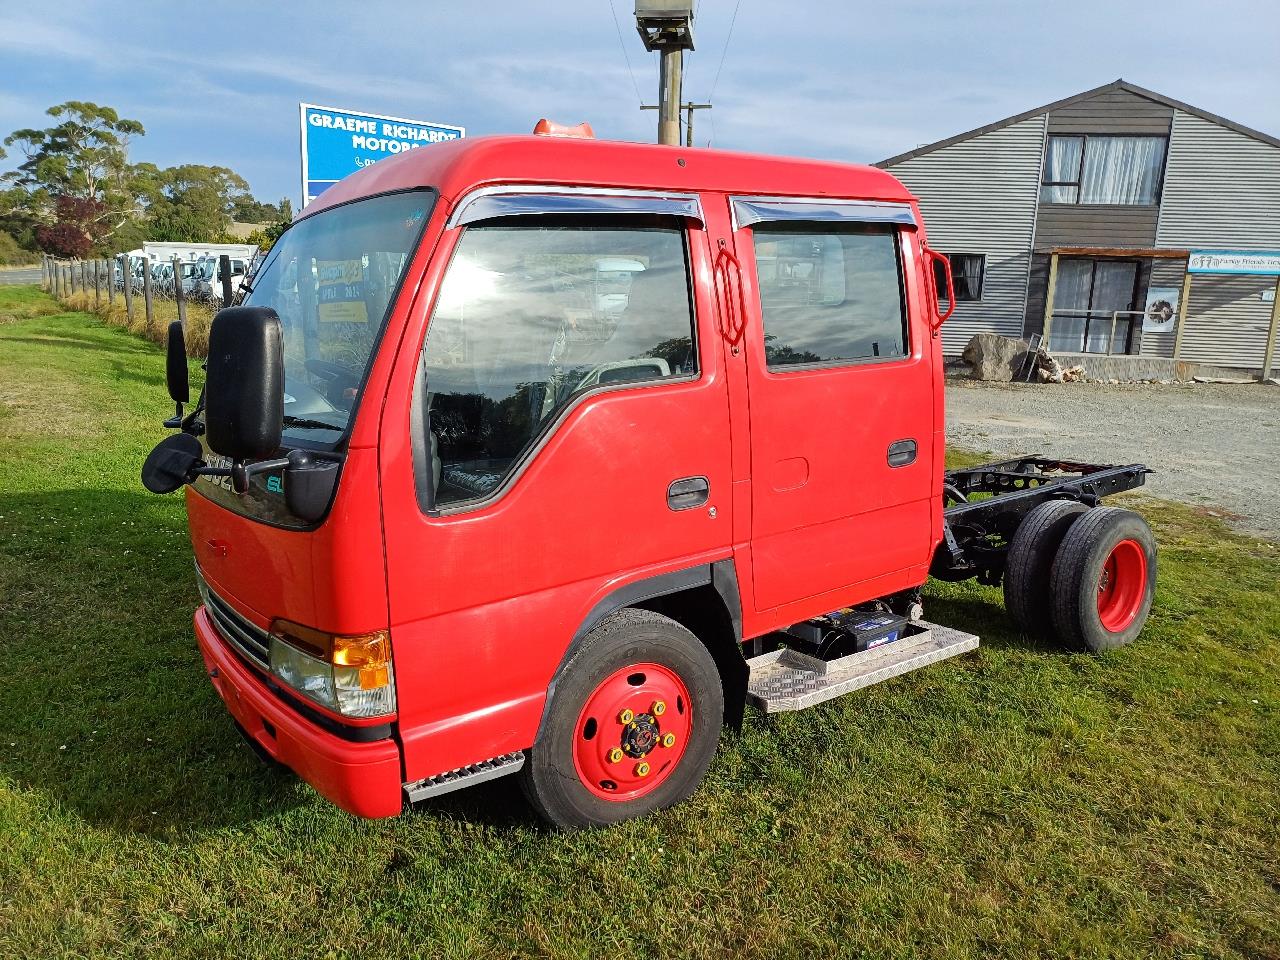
x,y
1122,586
632,732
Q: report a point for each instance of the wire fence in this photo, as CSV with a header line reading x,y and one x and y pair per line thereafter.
x,y
144,296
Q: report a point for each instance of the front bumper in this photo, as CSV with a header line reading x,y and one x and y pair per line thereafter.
x,y
361,778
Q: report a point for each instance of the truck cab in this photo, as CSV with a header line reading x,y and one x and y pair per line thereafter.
x,y
520,448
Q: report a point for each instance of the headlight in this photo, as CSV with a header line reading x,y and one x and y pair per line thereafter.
x,y
351,675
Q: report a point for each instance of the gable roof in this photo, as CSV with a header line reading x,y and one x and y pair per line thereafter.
x,y
1086,95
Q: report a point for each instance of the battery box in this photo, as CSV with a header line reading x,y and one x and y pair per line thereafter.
x,y
843,632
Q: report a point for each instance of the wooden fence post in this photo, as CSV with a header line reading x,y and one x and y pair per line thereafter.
x,y
224,271
111,280
127,269
179,295
97,284
146,293
43,265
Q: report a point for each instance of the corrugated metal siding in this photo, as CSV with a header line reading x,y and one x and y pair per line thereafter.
x,y
1095,225
979,196
1221,189
1164,273
1227,321
1116,112
1037,290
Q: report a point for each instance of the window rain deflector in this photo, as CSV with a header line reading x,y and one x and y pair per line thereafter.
x,y
496,205
751,210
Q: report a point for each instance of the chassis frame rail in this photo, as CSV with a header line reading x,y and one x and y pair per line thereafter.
x,y
977,533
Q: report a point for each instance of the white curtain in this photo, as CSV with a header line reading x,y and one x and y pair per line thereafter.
x,y
1061,162
1121,170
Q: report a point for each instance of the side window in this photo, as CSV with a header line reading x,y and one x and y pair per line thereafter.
x,y
530,316
967,273
830,294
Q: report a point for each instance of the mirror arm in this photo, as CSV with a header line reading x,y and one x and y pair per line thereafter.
x,y
190,424
241,471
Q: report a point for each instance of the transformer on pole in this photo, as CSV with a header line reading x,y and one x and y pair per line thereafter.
x,y
667,26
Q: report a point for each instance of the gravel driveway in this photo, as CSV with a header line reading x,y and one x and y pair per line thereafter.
x,y
1210,444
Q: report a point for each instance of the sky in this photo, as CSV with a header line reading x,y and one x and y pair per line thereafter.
x,y
857,81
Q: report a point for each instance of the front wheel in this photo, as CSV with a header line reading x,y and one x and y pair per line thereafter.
x,y
631,727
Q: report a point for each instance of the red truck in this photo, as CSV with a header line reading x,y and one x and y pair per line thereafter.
x,y
548,456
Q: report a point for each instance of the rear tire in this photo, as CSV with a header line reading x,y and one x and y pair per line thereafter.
x,y
1030,564
631,727
1104,579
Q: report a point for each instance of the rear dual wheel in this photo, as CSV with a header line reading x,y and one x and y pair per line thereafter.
x,y
1085,577
1103,579
632,724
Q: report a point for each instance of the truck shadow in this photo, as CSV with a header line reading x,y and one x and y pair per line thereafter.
x,y
105,707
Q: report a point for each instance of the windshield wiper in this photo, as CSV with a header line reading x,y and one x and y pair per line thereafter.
x,y
305,424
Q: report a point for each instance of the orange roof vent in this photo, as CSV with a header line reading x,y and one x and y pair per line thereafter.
x,y
549,128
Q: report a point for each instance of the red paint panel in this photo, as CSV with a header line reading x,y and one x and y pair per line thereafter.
x,y
361,778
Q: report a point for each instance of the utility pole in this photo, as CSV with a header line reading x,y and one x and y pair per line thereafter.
x,y
688,107
667,27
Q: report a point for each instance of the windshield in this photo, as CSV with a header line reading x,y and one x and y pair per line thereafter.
x,y
331,278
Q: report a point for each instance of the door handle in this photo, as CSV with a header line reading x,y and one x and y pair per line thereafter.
x,y
688,492
901,453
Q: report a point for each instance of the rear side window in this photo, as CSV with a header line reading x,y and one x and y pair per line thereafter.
x,y
529,318
830,294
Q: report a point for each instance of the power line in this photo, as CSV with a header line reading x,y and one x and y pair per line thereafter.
x,y
625,56
728,37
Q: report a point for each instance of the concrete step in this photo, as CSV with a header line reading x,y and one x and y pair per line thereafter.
x,y
788,679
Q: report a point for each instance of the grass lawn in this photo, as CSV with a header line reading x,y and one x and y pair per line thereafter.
x,y
1018,801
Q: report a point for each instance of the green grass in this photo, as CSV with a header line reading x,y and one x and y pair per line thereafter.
x,y
1019,801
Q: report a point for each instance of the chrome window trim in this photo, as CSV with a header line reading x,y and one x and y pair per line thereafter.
x,y
514,200
751,210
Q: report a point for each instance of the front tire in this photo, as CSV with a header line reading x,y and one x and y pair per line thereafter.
x,y
631,727
1104,579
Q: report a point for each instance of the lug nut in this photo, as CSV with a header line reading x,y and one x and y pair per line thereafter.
x,y
659,708
668,739
615,755
626,716
642,769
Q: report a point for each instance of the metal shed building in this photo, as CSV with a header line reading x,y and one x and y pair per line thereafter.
x,y
1117,221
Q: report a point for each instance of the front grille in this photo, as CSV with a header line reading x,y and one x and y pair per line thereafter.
x,y
248,638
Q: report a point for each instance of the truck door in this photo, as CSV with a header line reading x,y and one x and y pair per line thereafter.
x,y
568,437
842,411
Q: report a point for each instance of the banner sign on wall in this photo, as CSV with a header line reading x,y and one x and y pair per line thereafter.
x,y
1257,262
338,142
1162,309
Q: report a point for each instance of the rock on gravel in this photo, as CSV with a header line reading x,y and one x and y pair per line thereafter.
x,y
1210,444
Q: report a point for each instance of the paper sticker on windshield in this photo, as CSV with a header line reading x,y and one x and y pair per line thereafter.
x,y
341,291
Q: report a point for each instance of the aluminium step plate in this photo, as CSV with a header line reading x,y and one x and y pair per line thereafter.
x,y
464,777
790,680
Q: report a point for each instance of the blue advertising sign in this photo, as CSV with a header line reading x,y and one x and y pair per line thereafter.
x,y
338,142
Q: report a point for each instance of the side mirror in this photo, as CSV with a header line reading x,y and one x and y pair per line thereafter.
x,y
244,383
175,370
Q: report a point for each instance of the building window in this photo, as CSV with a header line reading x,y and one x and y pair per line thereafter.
x,y
532,316
1102,169
967,273
830,294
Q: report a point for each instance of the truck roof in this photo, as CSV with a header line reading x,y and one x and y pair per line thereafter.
x,y
456,166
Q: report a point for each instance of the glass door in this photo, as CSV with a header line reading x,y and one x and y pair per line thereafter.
x,y
1088,295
